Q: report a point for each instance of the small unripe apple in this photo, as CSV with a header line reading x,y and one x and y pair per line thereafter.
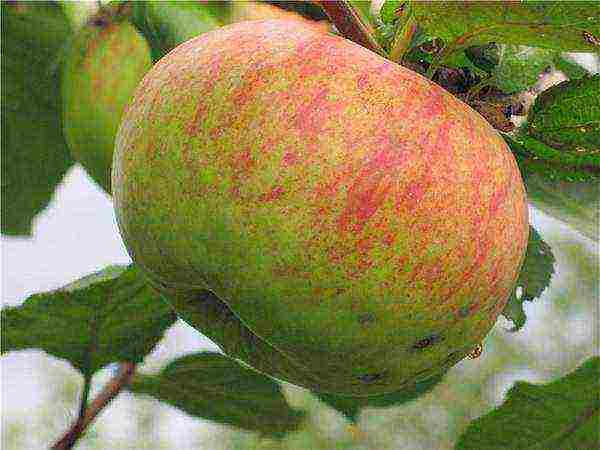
x,y
357,218
103,65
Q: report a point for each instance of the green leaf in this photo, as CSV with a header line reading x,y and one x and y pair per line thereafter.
x,y
79,13
514,312
460,59
575,203
215,387
166,24
561,415
109,316
477,59
484,57
392,10
218,9
571,69
534,278
398,32
363,7
351,407
535,157
538,267
34,153
567,117
567,26
519,67
583,158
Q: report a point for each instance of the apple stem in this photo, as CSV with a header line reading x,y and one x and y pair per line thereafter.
x,y
87,414
351,25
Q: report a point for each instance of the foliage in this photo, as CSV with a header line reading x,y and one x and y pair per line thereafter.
x,y
530,153
562,414
561,140
569,68
215,387
519,67
567,117
574,202
34,158
534,278
166,24
110,316
533,23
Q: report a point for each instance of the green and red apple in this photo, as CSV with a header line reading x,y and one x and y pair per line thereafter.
x,y
355,218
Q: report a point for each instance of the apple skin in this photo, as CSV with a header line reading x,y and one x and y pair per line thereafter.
x,y
353,215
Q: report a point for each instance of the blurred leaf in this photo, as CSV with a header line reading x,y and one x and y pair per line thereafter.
x,y
385,35
563,26
460,60
571,69
351,407
215,387
218,9
519,67
364,9
78,13
567,117
575,203
514,312
398,32
392,10
104,63
166,24
562,414
534,278
416,55
424,49
538,267
34,154
484,57
109,316
495,106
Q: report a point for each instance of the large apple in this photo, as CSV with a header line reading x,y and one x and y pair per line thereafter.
x,y
362,222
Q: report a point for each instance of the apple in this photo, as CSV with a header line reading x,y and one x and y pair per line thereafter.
x,y
353,216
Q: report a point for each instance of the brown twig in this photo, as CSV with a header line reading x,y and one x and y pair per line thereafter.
x,y
350,24
87,415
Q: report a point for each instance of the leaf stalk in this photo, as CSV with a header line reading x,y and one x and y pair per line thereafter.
x,y
87,414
